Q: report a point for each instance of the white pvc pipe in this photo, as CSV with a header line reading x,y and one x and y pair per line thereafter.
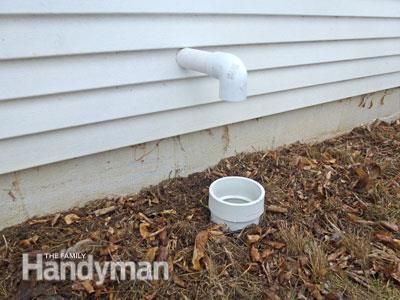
x,y
226,67
236,202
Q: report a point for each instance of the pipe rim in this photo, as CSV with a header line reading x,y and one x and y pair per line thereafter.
x,y
250,203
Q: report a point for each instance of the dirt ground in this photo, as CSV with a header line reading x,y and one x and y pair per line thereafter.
x,y
330,230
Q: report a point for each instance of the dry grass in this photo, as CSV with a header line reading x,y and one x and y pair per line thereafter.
x,y
318,262
358,247
371,289
296,240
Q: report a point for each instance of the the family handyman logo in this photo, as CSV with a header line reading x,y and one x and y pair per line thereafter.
x,y
62,266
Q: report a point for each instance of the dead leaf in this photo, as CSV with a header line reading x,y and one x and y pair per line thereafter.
x,y
146,218
144,230
28,242
155,233
363,179
334,296
305,163
267,253
55,220
199,249
387,239
276,245
355,155
111,248
151,296
163,236
314,290
383,237
254,254
390,226
356,219
335,255
35,238
81,246
277,209
96,235
110,230
24,243
103,211
71,218
303,261
87,285
151,254
253,238
396,273
169,212
178,281
396,243
163,254
271,295
77,286
215,233
121,201
38,221
374,171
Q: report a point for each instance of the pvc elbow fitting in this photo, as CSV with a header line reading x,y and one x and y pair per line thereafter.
x,y
226,67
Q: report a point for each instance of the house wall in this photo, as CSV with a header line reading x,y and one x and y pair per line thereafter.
x,y
79,77
84,82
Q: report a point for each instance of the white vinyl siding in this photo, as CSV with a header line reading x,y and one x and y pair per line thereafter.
x,y
82,77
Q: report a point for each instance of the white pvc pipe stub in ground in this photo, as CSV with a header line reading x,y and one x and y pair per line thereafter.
x,y
236,202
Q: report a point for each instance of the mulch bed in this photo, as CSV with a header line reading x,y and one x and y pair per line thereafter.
x,y
330,231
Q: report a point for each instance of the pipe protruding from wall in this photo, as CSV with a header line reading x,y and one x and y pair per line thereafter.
x,y
226,67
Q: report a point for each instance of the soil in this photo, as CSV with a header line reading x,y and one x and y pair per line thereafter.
x,y
330,230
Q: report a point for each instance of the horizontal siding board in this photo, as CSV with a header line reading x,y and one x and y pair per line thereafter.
x,y
360,8
83,34
53,75
29,116
74,142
